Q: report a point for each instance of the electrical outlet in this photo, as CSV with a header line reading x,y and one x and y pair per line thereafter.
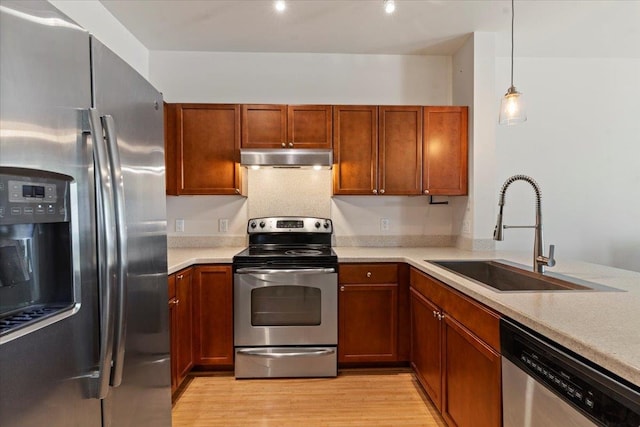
x,y
179,225
384,224
223,225
466,227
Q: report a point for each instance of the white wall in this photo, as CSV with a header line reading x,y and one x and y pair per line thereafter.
x,y
96,19
581,143
290,78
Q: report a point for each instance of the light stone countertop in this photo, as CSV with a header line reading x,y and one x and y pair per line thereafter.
x,y
601,326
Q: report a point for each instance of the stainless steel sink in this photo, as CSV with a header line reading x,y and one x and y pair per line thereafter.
x,y
509,278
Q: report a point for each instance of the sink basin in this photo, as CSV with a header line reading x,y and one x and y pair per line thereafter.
x,y
508,278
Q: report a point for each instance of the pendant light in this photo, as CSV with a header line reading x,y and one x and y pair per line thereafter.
x,y
512,107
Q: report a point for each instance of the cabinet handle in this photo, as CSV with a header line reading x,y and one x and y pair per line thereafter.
x,y
368,274
382,191
291,144
237,191
435,313
426,191
284,145
375,191
341,288
180,276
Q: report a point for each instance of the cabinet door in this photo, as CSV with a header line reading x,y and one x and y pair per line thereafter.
x,y
445,154
184,324
264,126
213,316
355,149
208,149
173,330
400,150
368,329
426,346
170,149
309,126
472,389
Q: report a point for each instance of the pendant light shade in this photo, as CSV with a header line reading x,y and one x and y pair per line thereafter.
x,y
512,108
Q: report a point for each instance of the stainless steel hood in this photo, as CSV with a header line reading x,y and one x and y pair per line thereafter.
x,y
295,158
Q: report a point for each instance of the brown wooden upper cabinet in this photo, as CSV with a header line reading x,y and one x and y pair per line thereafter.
x,y
377,150
206,138
445,153
286,126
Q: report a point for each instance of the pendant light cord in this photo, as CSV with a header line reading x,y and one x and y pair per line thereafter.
x,y
512,20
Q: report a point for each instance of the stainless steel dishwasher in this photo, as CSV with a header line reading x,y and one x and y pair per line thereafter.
x,y
544,384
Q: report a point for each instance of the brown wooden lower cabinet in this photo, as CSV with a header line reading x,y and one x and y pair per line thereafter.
x,y
181,326
455,353
471,377
426,346
373,315
213,316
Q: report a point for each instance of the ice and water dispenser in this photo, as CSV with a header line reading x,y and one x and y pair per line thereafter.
x,y
36,267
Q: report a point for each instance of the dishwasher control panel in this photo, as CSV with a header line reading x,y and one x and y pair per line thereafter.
x,y
600,395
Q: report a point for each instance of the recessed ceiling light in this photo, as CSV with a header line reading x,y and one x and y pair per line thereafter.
x,y
280,5
389,6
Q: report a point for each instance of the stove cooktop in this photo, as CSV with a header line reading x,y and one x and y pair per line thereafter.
x,y
286,256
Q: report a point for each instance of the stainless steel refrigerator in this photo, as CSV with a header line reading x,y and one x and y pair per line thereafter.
x,y
84,335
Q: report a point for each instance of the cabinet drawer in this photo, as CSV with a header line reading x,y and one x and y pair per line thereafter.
x,y
368,273
479,319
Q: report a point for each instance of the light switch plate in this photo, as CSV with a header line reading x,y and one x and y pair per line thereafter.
x,y
179,225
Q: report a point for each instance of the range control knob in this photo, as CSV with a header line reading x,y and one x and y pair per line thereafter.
x,y
326,224
317,224
253,224
262,224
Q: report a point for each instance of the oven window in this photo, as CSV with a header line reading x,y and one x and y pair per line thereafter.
x,y
286,306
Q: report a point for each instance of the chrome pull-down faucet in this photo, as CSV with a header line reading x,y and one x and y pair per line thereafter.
x,y
539,260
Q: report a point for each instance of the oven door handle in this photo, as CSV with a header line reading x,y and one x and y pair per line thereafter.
x,y
254,270
297,353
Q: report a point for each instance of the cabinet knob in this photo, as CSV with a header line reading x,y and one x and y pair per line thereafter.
x,y
291,144
375,191
180,276
368,274
382,191
341,288
435,313
426,191
237,191
284,145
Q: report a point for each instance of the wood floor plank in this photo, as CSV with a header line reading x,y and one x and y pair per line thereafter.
x,y
354,398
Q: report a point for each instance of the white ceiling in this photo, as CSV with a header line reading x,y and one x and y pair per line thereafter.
x,y
551,28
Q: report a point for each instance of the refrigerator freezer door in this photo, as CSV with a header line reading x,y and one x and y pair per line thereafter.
x,y
44,89
143,396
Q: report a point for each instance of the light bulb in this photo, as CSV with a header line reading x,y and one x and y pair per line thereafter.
x,y
280,5
389,6
317,167
255,167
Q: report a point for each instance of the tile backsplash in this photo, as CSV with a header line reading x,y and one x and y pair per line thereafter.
x,y
358,220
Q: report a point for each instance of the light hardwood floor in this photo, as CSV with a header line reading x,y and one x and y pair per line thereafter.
x,y
354,398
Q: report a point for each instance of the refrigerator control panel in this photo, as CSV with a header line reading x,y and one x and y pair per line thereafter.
x,y
29,196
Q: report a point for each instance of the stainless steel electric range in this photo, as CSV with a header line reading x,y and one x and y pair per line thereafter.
x,y
286,300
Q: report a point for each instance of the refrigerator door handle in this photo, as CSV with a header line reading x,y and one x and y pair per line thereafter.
x,y
107,252
122,264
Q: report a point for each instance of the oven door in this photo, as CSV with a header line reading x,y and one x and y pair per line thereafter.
x,y
285,307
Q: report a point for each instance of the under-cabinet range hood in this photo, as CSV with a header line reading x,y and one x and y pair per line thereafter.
x,y
295,158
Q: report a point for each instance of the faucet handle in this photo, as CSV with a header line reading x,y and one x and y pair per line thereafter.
x,y
550,259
